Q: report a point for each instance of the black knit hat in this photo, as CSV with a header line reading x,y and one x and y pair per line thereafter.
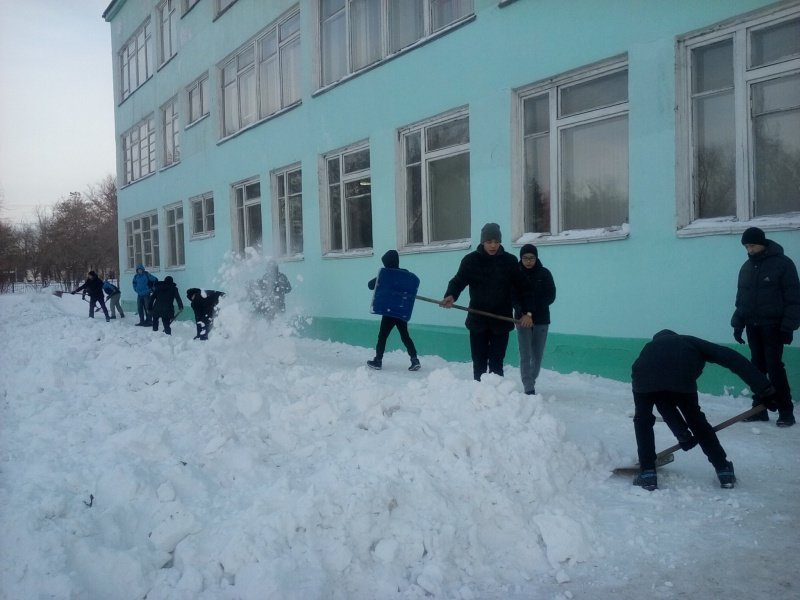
x,y
191,292
754,235
528,249
491,231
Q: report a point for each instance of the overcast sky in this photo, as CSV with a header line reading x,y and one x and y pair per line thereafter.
x,y
56,102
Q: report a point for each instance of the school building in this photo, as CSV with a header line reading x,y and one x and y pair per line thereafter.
x,y
631,140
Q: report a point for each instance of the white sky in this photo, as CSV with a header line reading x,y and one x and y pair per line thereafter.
x,y
56,102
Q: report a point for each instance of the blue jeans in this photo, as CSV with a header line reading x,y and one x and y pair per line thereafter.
x,y
531,348
141,308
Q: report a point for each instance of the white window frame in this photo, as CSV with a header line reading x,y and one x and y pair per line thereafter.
x,y
176,238
241,217
187,5
429,30
557,125
136,60
139,151
326,214
200,89
243,80
284,238
220,6
426,158
141,241
167,30
170,133
204,203
745,77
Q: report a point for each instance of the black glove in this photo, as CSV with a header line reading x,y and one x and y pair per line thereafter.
x,y
687,442
786,337
768,397
737,335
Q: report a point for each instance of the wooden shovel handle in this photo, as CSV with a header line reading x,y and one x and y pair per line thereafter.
x,y
470,310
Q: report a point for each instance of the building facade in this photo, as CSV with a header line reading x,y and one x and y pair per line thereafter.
x,y
631,141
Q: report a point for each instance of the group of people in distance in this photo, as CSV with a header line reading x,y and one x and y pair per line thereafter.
x,y
505,292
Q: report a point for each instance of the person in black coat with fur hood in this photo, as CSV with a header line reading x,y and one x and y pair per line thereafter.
x,y
768,309
161,303
532,340
494,279
204,306
94,287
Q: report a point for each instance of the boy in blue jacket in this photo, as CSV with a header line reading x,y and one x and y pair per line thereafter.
x,y
143,283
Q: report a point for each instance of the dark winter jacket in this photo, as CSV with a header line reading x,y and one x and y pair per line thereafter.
x,y
268,294
494,282
143,282
93,287
164,294
768,291
542,288
390,260
110,289
673,362
203,306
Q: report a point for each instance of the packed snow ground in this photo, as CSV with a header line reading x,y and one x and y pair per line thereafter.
x,y
263,465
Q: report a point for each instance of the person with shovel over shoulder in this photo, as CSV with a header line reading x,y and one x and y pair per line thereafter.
x,y
161,303
665,376
494,279
94,287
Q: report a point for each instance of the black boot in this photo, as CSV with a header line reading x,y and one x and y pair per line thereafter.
x,y
375,363
415,366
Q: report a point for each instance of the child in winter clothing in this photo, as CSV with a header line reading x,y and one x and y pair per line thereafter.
x,y
532,340
94,286
205,309
161,307
143,286
113,294
391,260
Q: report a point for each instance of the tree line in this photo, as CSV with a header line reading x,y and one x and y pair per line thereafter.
x,y
76,235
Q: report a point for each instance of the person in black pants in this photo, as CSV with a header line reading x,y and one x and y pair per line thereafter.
x,y
494,280
94,287
768,308
161,303
205,308
391,260
664,376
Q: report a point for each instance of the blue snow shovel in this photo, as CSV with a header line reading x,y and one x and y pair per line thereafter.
x,y
395,291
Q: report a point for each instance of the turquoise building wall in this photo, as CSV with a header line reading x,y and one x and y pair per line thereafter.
x,y
612,295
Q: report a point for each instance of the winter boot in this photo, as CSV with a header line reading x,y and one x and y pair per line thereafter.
x,y
727,479
647,479
785,419
415,366
759,416
375,363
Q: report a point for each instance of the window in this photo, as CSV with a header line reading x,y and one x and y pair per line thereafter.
x,y
168,30
176,256
573,153
739,118
348,208
198,95
247,212
188,5
263,76
141,240
437,194
139,150
136,60
202,214
221,6
288,211
357,33
171,131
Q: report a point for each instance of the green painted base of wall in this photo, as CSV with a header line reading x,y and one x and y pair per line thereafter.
x,y
605,357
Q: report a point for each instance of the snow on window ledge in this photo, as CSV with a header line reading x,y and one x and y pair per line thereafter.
x,y
731,225
577,236
436,247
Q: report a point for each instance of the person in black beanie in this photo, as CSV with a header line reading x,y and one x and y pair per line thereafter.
x,y
161,303
494,279
94,287
204,305
768,310
532,340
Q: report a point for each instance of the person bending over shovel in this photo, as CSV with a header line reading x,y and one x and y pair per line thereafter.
x,y
665,376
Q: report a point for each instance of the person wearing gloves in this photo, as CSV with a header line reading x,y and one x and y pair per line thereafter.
x,y
143,283
665,376
113,294
532,340
161,303
94,287
204,305
494,280
768,310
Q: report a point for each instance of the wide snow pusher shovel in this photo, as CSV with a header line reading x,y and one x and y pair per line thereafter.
x,y
395,290
667,456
